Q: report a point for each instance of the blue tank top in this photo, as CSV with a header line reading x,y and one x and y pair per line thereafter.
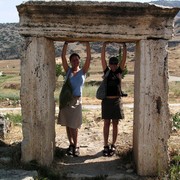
x,y
77,81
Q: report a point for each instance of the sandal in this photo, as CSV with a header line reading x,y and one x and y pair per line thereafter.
x,y
112,150
106,151
70,150
76,152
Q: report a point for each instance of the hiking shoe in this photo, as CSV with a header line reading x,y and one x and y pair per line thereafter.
x,y
112,150
106,151
76,152
70,150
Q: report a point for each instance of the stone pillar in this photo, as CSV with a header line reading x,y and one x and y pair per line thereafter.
x,y
151,111
37,100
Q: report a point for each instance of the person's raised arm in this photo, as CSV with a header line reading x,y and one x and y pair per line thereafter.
x,y
63,56
88,58
123,62
103,56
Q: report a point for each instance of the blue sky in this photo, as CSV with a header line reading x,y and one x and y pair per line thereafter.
x,y
9,13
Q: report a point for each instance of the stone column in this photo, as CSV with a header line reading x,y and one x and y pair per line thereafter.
x,y
151,111
37,100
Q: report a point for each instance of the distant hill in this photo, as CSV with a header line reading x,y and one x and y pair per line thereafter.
x,y
168,3
11,41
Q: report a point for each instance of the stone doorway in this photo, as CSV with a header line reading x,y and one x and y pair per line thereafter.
x,y
147,25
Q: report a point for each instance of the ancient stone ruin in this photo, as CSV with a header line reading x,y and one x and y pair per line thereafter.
x,y
148,26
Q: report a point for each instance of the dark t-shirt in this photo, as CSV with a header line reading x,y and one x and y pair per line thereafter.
x,y
113,82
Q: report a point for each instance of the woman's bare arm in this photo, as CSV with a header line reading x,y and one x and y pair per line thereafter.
x,y
63,56
103,56
123,62
88,58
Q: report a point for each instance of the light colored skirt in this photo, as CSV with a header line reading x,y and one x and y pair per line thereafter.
x,y
71,116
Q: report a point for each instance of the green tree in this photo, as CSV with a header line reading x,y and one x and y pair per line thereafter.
x,y
59,70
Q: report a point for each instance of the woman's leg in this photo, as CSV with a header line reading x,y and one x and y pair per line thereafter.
x,y
106,136
115,130
74,135
70,150
106,131
114,137
68,131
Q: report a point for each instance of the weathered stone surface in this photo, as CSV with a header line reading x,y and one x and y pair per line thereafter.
x,y
4,126
96,21
17,174
151,111
38,105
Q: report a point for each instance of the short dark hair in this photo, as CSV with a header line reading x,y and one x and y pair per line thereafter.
x,y
113,60
74,54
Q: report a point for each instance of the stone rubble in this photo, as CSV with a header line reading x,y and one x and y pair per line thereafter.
x,y
4,126
17,175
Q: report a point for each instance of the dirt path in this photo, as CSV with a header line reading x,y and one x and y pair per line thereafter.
x,y
91,162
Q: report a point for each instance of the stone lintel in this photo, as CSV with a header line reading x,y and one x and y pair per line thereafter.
x,y
96,20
